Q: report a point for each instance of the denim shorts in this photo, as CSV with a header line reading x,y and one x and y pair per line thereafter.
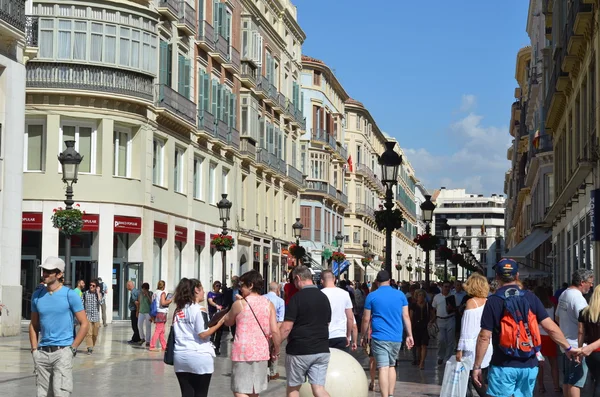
x,y
508,381
385,352
574,374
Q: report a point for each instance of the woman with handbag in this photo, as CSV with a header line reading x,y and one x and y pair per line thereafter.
x,y
162,309
194,355
256,322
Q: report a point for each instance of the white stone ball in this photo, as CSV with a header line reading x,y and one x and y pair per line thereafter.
x,y
345,377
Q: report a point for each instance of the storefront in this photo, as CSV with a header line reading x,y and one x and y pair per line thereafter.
x,y
31,255
126,230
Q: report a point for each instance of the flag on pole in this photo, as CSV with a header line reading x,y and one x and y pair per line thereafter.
x,y
350,163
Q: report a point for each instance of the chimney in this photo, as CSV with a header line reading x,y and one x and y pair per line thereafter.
x,y
481,195
493,194
443,187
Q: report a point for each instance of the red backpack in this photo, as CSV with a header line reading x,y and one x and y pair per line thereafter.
x,y
519,329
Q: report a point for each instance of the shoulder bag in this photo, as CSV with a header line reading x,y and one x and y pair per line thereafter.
x,y
169,357
269,340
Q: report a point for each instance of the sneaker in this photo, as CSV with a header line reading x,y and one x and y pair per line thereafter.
x,y
148,344
141,342
89,351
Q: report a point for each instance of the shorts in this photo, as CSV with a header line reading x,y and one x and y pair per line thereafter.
x,y
385,352
249,377
508,381
549,348
312,365
574,374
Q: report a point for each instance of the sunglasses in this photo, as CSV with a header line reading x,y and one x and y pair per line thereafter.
x,y
92,285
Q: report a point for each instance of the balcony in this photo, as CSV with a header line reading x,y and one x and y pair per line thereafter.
x,y
186,21
343,198
271,93
317,186
31,36
234,137
248,75
364,210
295,175
222,130
88,79
262,86
13,13
272,161
205,38
169,9
233,60
542,144
247,148
179,106
221,50
366,171
206,122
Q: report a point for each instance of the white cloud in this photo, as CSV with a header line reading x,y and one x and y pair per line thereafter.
x,y
478,166
468,102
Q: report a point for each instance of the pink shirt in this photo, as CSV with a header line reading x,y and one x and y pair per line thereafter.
x,y
250,343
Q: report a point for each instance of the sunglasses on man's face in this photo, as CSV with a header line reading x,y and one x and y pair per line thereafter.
x,y
92,285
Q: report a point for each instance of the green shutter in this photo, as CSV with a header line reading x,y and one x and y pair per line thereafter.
x,y
216,5
225,105
201,75
169,65
163,71
187,77
227,25
232,110
214,98
180,74
268,68
206,83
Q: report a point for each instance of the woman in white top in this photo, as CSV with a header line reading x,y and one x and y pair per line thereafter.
x,y
193,353
162,309
477,289
549,348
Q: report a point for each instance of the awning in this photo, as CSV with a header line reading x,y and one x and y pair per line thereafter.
x,y
529,243
529,272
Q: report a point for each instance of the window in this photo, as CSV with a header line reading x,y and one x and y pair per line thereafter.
x,y
34,152
84,136
198,188
183,86
179,170
178,259
124,42
46,39
122,152
165,70
317,78
224,176
158,147
212,175
157,245
203,91
64,39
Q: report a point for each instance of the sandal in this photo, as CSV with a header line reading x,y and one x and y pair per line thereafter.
x,y
371,386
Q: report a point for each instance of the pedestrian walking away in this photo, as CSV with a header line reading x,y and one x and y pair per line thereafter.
x,y
144,320
162,309
514,365
133,297
388,307
215,305
193,356
421,315
446,322
53,310
91,304
306,327
342,318
279,304
549,348
570,304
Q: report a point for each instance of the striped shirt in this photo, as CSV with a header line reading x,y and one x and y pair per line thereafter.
x,y
92,306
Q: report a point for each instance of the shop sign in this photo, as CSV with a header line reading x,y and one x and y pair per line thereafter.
x,y
200,238
161,230
91,222
127,224
595,214
32,221
181,234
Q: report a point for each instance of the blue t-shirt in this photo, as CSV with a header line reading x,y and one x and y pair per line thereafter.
x,y
490,320
56,313
386,305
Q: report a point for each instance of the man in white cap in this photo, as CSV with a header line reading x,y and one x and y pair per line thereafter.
x,y
52,312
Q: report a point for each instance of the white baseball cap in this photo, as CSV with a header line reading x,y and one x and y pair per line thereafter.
x,y
53,262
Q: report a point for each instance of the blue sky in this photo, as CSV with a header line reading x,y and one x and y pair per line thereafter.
x,y
437,75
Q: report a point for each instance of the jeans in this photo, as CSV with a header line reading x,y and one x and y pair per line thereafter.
x,y
134,327
145,326
193,385
593,363
446,341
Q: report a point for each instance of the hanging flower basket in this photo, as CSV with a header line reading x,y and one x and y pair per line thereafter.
x,y
297,251
445,253
366,261
69,222
427,241
409,268
457,259
338,257
419,270
382,219
222,242
398,267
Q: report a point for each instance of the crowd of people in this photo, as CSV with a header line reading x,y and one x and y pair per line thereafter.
x,y
503,331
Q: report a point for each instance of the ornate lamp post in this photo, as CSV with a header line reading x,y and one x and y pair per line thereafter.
x,y
297,230
390,161
446,234
427,208
224,207
69,160
418,268
408,262
398,259
366,246
339,239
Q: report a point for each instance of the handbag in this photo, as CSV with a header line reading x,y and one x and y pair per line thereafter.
x,y
433,330
169,357
269,340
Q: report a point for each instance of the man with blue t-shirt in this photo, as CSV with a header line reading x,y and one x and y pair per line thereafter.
x,y
386,309
52,312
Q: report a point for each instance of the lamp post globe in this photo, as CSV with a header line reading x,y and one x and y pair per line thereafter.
x,y
455,241
463,247
297,229
339,238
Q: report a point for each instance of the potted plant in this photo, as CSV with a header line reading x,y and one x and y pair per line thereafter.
x,y
398,267
338,257
427,241
409,268
366,261
222,242
297,251
68,221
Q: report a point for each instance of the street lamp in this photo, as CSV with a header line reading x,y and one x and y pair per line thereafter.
x,y
390,161
463,247
418,267
446,228
69,160
224,207
297,229
398,259
339,239
408,262
455,242
427,208
366,246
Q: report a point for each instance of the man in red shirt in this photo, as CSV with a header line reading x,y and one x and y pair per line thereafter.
x,y
289,289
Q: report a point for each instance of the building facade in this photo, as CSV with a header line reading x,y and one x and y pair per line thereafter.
x,y
156,97
323,159
477,220
17,44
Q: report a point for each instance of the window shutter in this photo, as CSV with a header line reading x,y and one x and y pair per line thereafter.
x,y
214,98
206,83
233,110
201,92
163,72
301,103
226,105
261,128
169,65
216,6
187,68
227,26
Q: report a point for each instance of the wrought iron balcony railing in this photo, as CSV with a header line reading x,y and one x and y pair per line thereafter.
x,y
206,122
168,98
206,35
295,175
248,148
89,78
31,30
364,209
171,6
542,144
187,16
13,12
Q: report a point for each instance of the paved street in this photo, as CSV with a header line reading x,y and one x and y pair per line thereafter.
x,y
116,368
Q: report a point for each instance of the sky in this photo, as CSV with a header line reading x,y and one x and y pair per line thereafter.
x,y
437,75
